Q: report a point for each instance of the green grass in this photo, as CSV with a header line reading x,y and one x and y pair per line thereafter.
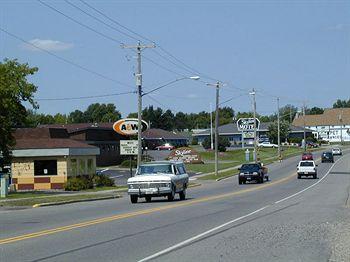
x,y
34,201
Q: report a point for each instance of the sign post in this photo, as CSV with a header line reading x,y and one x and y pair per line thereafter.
x,y
246,126
129,148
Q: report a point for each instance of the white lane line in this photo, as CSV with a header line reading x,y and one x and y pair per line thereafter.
x,y
186,242
104,170
301,191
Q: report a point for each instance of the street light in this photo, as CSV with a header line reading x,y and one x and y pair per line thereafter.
x,y
254,116
140,95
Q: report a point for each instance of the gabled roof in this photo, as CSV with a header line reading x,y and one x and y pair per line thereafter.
x,y
332,117
71,128
156,133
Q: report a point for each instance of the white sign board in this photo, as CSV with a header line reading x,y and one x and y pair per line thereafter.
x,y
128,147
247,124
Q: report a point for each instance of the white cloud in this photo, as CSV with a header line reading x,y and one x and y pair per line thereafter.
x,y
47,44
339,27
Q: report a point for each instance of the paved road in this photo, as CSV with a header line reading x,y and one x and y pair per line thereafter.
x,y
283,220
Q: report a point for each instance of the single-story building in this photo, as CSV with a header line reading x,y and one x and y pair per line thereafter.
x,y
333,125
154,137
235,136
43,158
100,135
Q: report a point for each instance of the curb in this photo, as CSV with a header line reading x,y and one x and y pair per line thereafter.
x,y
75,201
225,177
194,185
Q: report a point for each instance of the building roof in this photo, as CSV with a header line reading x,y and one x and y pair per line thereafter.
x,y
155,133
71,128
45,138
329,117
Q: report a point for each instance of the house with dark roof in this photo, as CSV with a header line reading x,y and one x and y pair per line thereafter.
x,y
235,136
333,125
155,137
43,158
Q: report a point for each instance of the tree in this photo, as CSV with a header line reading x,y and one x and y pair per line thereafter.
x,y
101,113
181,122
167,121
223,143
15,90
288,112
132,115
76,116
273,131
341,103
314,111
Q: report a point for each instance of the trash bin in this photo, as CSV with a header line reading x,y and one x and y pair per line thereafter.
x,y
247,155
3,185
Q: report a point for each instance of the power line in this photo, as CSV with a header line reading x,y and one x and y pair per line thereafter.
x,y
85,97
185,66
65,60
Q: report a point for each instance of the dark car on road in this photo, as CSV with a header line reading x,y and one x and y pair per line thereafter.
x,y
327,157
252,172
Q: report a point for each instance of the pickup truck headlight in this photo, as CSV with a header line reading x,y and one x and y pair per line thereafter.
x,y
131,186
241,174
168,184
255,173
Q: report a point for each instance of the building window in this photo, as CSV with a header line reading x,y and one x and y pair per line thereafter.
x,y
82,166
73,166
45,167
90,166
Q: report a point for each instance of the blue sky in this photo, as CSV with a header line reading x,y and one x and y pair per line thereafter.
x,y
297,50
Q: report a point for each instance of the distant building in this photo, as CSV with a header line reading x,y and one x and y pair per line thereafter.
x,y
333,125
155,137
43,158
235,136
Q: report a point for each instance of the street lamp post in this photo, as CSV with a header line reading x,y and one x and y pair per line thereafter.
x,y
140,95
254,116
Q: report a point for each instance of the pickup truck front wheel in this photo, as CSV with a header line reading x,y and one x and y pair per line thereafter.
x,y
133,199
182,194
171,196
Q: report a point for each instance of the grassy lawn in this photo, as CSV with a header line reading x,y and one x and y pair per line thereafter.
x,y
33,201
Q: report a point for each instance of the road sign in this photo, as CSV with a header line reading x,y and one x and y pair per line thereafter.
x,y
128,147
128,126
247,124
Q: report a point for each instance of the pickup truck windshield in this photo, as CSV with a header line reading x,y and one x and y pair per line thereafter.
x,y
250,168
154,169
306,164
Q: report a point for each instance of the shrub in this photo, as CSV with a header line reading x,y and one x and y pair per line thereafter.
x,y
295,140
78,183
102,180
223,143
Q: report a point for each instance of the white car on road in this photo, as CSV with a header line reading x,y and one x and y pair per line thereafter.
x,y
336,151
155,179
307,168
267,144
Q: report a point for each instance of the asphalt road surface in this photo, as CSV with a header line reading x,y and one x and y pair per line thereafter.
x,y
285,219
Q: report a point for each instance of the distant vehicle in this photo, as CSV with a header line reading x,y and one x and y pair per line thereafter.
x,y
307,168
252,172
327,157
307,156
267,144
165,147
336,151
157,179
311,144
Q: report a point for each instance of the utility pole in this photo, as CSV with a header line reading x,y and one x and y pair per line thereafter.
x,y
254,116
278,129
217,86
138,77
341,126
211,129
304,126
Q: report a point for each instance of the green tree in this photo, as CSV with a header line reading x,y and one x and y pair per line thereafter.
x,y
273,131
181,121
341,103
133,115
314,111
15,90
101,113
223,143
288,112
76,116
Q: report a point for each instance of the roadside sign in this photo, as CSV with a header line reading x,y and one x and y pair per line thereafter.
x,y
128,126
247,124
128,147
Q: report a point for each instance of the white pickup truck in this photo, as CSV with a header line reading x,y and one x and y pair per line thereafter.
x,y
307,168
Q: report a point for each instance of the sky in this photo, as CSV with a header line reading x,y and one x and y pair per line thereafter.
x,y
296,50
